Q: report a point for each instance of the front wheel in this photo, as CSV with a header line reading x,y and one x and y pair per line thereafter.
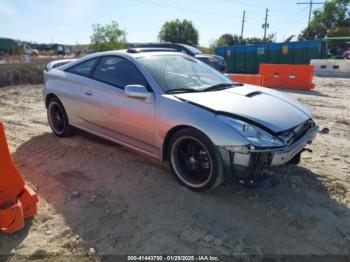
x,y
195,160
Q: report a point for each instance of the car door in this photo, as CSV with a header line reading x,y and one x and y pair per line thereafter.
x,y
108,111
71,90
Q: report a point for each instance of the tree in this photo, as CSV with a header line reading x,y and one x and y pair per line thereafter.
x,y
107,37
177,31
230,40
270,38
333,20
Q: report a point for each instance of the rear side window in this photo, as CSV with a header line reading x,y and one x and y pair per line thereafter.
x,y
119,72
83,68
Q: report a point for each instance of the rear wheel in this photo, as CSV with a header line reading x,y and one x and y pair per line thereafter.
x,y
58,119
195,160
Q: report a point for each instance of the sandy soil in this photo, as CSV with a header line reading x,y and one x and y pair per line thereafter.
x,y
94,194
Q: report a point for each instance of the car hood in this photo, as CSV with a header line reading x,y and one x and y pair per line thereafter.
x,y
264,106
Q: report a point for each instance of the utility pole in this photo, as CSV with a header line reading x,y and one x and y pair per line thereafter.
x,y
311,3
266,25
243,21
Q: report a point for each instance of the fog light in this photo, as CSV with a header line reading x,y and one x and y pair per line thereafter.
x,y
239,149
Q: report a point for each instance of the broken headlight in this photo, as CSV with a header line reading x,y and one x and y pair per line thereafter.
x,y
256,136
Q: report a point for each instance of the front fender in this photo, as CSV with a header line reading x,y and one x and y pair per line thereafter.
x,y
172,112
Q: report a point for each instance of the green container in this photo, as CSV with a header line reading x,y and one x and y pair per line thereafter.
x,y
247,58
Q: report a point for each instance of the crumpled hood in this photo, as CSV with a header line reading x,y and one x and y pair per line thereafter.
x,y
264,106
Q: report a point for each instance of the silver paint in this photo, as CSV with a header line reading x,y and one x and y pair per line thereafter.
x,y
143,123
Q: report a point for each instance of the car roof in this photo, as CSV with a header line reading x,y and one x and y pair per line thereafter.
x,y
187,47
149,49
148,52
123,53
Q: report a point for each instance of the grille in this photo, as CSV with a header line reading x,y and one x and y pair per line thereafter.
x,y
291,136
299,131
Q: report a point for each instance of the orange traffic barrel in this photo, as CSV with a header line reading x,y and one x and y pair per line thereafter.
x,y
17,201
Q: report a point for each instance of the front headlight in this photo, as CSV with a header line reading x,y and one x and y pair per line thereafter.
x,y
256,136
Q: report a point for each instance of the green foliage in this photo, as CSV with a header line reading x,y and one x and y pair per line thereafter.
x,y
332,20
229,40
107,37
270,38
8,45
177,31
21,74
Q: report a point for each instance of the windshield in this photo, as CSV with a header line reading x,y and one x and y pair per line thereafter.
x,y
177,72
194,50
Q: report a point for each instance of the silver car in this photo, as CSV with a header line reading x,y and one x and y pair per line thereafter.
x,y
174,107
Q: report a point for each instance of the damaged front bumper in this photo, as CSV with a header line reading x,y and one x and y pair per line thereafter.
x,y
249,161
283,155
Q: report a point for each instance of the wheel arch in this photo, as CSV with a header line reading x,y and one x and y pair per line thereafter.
x,y
169,135
48,97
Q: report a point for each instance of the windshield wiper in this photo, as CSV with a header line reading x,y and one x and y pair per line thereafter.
x,y
210,88
181,90
220,87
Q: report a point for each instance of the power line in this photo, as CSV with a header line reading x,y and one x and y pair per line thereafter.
x,y
247,5
311,3
287,21
244,3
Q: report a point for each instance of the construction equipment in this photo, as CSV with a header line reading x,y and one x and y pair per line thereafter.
x,y
17,200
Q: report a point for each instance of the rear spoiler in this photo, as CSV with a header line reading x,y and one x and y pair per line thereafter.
x,y
57,63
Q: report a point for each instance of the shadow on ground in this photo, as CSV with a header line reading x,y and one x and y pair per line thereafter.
x,y
120,201
9,242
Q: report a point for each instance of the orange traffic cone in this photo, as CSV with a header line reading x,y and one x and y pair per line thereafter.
x,y
17,200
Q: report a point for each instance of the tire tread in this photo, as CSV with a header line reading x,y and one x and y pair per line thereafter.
x,y
215,154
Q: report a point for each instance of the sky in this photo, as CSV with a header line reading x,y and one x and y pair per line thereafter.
x,y
70,21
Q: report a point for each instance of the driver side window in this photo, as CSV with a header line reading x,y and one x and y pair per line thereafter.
x,y
118,72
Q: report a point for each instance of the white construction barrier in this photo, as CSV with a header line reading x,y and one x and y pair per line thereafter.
x,y
324,67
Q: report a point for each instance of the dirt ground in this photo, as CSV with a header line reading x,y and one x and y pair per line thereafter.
x,y
98,196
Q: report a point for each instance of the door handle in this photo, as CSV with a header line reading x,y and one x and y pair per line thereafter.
x,y
88,93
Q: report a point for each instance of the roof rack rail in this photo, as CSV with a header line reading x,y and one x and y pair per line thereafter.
x,y
150,49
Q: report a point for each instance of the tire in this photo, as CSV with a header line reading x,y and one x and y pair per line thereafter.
x,y
58,119
195,160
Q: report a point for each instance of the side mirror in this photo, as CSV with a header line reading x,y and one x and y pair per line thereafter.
x,y
137,91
